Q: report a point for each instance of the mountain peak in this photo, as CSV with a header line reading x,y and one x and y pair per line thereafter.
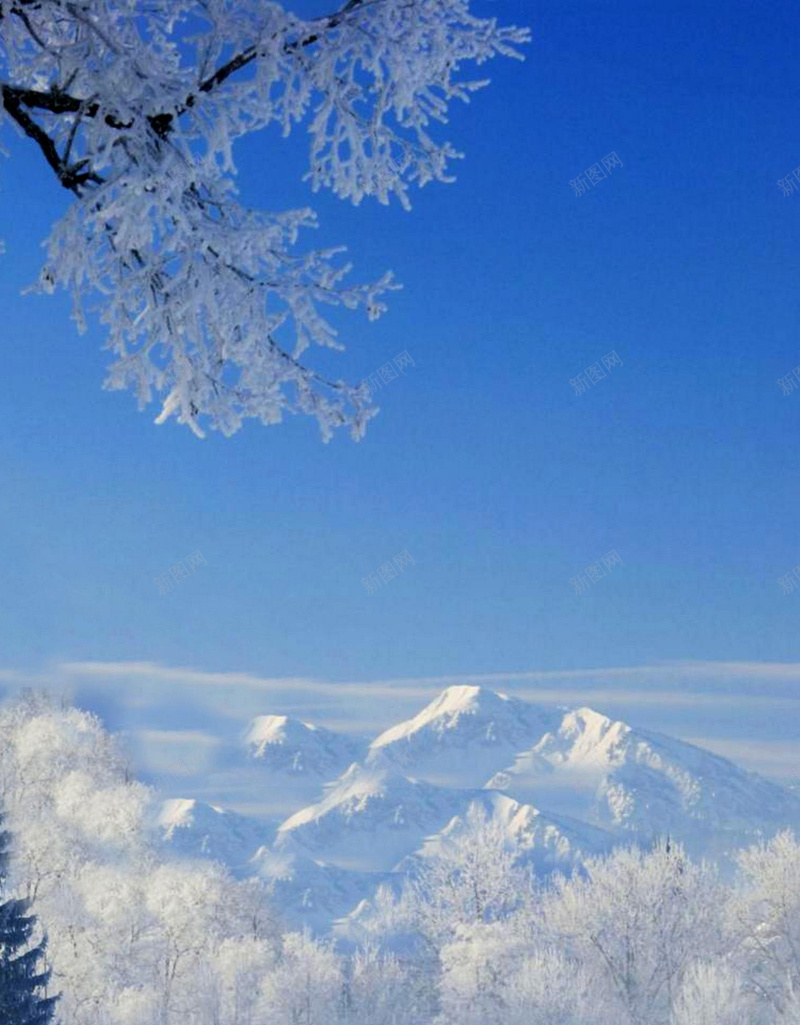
x,y
299,748
265,730
177,811
462,698
445,711
631,781
463,736
196,829
587,729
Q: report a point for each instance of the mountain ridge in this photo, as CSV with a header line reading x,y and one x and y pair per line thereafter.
x,y
565,784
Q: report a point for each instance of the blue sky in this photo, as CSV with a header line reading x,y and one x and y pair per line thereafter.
x,y
498,480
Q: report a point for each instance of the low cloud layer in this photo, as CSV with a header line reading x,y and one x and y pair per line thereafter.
x,y
742,710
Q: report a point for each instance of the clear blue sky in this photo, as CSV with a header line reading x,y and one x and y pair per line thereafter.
x,y
483,464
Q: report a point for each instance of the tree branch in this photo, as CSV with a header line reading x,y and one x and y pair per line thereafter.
x,y
55,101
250,54
71,178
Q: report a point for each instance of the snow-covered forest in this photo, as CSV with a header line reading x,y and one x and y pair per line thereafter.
x,y
141,936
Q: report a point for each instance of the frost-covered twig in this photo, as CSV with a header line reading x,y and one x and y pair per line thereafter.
x,y
209,305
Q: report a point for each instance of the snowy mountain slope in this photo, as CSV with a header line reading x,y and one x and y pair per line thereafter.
x,y
198,830
294,759
370,819
632,781
311,893
547,842
462,737
374,818
565,784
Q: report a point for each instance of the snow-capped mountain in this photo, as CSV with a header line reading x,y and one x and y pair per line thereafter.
x,y
299,748
294,759
311,893
371,818
463,737
547,842
199,830
562,784
632,781
374,818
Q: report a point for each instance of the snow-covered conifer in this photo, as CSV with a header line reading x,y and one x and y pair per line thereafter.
x,y
24,979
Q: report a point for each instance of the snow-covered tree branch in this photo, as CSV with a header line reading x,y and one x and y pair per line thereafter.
x,y
136,107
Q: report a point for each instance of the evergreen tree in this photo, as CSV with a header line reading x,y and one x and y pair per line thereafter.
x,y
22,978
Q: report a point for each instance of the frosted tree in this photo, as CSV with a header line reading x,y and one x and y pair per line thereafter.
x,y
136,108
548,987
23,978
637,921
134,939
379,990
471,879
469,882
307,985
491,976
766,917
713,993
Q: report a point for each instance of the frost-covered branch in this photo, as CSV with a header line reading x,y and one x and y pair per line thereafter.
x,y
136,108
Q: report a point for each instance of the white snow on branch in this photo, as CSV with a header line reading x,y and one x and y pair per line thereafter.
x,y
210,306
